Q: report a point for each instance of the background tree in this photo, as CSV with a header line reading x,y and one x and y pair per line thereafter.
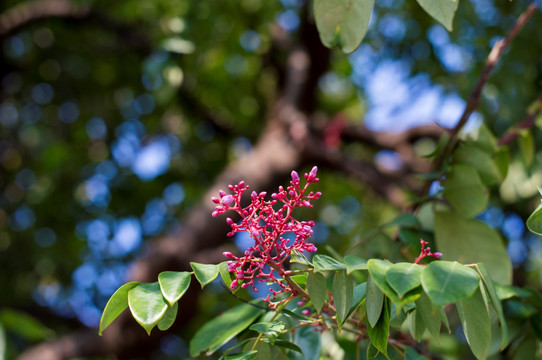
x,y
118,119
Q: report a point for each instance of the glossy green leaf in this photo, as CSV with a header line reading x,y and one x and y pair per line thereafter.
x,y
441,10
343,292
169,317
464,190
430,316
472,241
326,263
242,356
448,282
300,258
205,273
403,277
474,315
309,341
378,334
343,23
316,287
444,318
147,305
300,279
495,302
502,161
534,222
116,305
375,301
526,146
354,263
481,160
173,285
223,328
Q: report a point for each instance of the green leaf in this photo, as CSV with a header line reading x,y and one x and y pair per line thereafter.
x,y
358,297
316,286
404,220
377,270
227,276
23,325
147,305
495,301
441,10
326,263
169,317
534,222
374,303
354,263
223,328
474,315
417,325
309,341
404,277
502,161
472,241
429,315
242,356
526,146
343,23
471,154
205,273
270,330
173,285
448,282
300,279
378,334
116,305
343,292
464,190
288,345
300,258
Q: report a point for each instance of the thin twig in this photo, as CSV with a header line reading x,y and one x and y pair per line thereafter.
x,y
473,101
527,123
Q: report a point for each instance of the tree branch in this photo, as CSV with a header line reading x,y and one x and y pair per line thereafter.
x,y
528,122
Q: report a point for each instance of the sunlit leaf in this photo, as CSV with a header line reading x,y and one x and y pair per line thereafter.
x,y
448,282
404,277
342,23
205,273
173,285
223,328
116,305
534,222
441,10
147,305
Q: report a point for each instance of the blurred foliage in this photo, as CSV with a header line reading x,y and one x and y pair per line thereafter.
x,y
114,123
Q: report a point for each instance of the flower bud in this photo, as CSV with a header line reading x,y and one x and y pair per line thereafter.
x,y
226,200
295,176
228,254
221,193
215,200
234,284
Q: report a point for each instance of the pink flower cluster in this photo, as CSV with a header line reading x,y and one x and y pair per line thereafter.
x,y
426,251
268,222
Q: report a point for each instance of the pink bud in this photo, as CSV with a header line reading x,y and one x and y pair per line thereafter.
x,y
262,194
228,254
437,255
306,312
253,195
295,176
221,193
226,200
229,221
234,284
215,200
242,184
